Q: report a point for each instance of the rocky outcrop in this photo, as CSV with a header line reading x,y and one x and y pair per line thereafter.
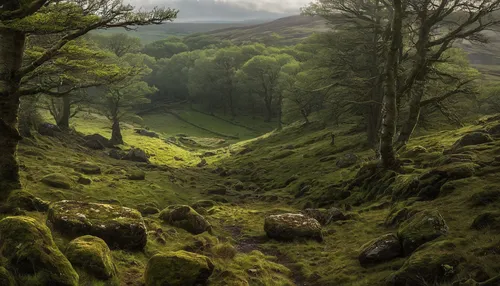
x,y
180,268
93,255
27,201
136,155
27,248
88,168
96,142
474,138
48,129
292,226
120,227
147,133
380,249
185,217
423,227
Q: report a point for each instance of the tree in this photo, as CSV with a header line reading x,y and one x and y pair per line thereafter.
x,y
118,43
165,48
64,21
261,74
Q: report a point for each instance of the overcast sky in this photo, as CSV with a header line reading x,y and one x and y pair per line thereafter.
x,y
227,10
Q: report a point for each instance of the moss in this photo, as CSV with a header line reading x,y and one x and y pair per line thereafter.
x,y
6,278
88,168
487,220
432,263
178,268
485,198
185,217
136,175
57,181
421,228
203,205
93,255
224,251
31,252
201,243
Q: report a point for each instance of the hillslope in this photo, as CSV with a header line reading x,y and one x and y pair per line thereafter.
x,y
442,205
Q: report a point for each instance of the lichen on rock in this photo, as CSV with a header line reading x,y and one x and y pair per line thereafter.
x,y
292,226
185,217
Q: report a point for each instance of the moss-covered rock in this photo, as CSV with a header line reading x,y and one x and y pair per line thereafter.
x,y
474,138
203,205
136,155
136,175
6,278
487,220
485,198
185,217
347,160
292,226
29,251
415,151
120,227
148,209
88,168
57,181
84,181
421,228
431,264
325,216
178,268
399,215
93,255
381,249
27,201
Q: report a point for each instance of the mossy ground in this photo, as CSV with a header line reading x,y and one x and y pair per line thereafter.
x,y
263,175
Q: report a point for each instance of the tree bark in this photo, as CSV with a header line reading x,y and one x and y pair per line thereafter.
x,y
389,104
116,135
63,120
269,108
11,56
414,114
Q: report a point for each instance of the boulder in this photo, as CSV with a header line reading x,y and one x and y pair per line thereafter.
x,y
91,254
148,209
180,268
48,129
397,216
120,227
117,154
347,160
136,155
291,226
485,198
147,133
27,201
203,205
423,227
474,138
57,181
487,220
97,140
84,181
27,248
88,168
136,175
380,249
325,216
432,264
185,217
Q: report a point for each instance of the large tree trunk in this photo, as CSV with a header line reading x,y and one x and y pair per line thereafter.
x,y
116,135
389,105
269,108
413,115
63,120
11,56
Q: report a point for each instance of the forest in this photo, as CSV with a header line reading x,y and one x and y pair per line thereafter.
x,y
357,143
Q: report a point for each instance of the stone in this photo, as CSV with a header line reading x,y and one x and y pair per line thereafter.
x,y
136,155
88,168
203,205
474,138
136,175
97,140
28,249
325,216
117,154
94,145
380,249
485,198
217,191
185,217
120,227
148,209
179,268
423,227
397,216
291,226
202,163
347,160
27,201
48,129
93,255
58,181
431,264
147,133
487,220
84,181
